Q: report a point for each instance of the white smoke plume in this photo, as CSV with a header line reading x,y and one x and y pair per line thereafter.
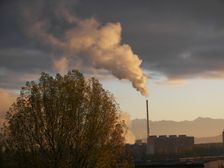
x,y
6,100
89,41
129,136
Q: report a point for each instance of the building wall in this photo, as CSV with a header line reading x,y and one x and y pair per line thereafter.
x,y
171,144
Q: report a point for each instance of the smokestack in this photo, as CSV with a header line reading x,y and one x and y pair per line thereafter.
x,y
150,142
147,139
147,111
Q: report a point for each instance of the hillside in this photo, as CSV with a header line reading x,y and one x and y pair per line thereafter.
x,y
204,129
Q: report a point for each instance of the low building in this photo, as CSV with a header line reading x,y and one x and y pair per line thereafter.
x,y
172,144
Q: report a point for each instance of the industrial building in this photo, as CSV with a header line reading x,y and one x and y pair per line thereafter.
x,y
163,145
167,145
170,145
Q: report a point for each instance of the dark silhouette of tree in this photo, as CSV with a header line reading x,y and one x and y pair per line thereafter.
x,y
66,121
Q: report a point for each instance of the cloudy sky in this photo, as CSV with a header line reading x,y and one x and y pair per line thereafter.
x,y
171,49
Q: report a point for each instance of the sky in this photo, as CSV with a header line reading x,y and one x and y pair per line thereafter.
x,y
170,52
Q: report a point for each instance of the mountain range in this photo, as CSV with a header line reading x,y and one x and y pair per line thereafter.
x,y
205,130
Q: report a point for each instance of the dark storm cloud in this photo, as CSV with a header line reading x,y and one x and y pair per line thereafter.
x,y
18,65
21,57
24,59
10,33
177,39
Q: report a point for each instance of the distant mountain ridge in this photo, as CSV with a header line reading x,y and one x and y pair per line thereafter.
x,y
203,129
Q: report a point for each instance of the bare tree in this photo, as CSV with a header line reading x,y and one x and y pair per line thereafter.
x,y
66,121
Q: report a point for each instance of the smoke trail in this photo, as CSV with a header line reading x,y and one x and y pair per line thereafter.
x,y
129,136
6,100
89,41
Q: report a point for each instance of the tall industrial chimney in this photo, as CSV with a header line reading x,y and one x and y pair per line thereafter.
x,y
147,111
147,139
150,142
